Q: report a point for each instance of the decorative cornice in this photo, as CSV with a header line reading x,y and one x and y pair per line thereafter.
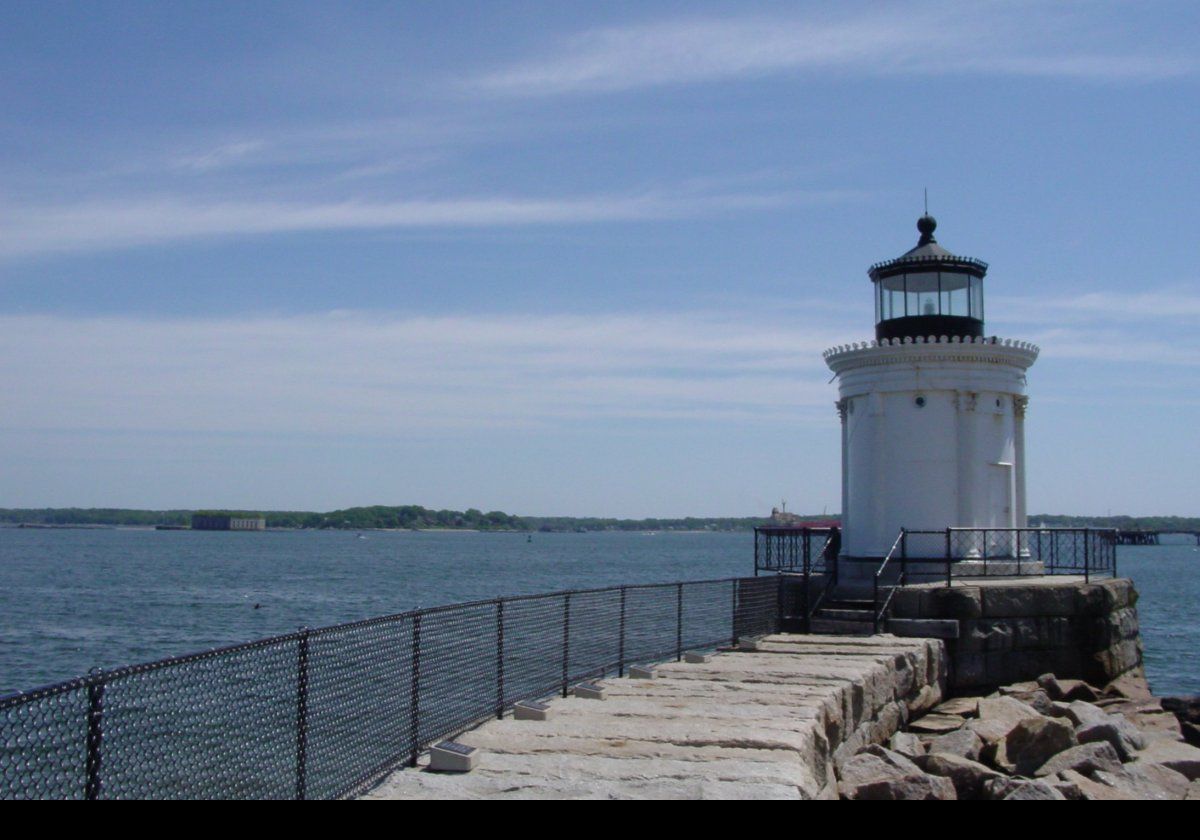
x,y
886,268
990,349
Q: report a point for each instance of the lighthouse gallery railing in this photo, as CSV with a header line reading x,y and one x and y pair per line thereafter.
x,y
921,556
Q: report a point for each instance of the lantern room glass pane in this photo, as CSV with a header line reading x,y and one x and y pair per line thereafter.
x,y
976,302
893,303
924,281
955,302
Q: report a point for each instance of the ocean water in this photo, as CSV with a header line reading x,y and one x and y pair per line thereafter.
x,y
71,600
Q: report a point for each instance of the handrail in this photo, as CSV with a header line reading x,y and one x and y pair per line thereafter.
x,y
881,610
830,582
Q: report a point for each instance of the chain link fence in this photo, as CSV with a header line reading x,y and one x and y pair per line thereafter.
x,y
327,713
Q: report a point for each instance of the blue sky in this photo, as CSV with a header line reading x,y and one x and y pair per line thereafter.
x,y
574,258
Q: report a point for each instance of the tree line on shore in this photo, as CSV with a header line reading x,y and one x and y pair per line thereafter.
x,y
418,517
1121,523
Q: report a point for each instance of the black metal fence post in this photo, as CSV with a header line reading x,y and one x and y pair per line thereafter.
x,y
779,600
95,737
806,601
414,701
949,556
566,643
679,623
904,555
733,627
1087,577
875,608
499,658
302,715
621,641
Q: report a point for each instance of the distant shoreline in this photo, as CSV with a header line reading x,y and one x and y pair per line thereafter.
x,y
418,518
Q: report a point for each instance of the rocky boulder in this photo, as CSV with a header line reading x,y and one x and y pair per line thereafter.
x,y
1081,713
1140,784
1116,731
1020,789
1031,743
1038,700
989,731
868,776
1187,712
1006,710
1066,689
1131,685
961,706
1180,757
1085,759
962,742
968,776
907,745
936,724
1091,790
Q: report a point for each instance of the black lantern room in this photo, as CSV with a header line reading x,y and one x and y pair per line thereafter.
x,y
928,291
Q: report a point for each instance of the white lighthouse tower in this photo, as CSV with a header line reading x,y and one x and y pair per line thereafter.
x,y
933,411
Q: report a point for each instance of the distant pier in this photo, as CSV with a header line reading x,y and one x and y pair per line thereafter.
x,y
1142,537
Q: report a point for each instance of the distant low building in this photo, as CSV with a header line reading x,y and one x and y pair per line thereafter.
x,y
227,522
780,518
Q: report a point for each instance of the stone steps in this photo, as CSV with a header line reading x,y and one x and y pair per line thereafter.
x,y
841,627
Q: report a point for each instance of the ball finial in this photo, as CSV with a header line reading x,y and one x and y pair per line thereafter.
x,y
927,225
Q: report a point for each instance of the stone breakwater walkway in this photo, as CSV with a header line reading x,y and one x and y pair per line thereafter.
x,y
767,723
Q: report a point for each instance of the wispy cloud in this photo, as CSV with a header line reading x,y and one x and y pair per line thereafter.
x,y
1119,346
351,373
137,221
1160,304
382,374
988,38
218,157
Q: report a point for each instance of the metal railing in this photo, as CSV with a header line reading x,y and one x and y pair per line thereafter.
x,y
881,608
328,712
1018,551
823,567
1090,552
779,549
804,552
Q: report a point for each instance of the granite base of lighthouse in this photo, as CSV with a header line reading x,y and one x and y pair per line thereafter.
x,y
1001,631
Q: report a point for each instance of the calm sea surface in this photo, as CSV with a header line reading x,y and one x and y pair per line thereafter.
x,y
72,600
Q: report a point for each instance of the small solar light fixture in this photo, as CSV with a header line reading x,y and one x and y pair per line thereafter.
x,y
589,691
694,658
452,757
641,672
529,710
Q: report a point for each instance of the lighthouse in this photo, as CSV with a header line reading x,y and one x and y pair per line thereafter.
x,y
932,410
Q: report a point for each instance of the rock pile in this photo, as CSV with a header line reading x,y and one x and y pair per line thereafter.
x,y
1049,739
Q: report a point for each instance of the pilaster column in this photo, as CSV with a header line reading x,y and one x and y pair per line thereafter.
x,y
1020,404
843,406
968,458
